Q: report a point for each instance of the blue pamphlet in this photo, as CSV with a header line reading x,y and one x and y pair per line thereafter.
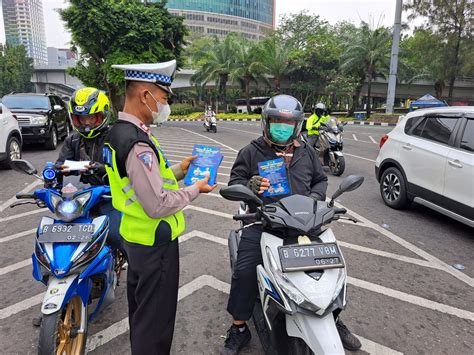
x,y
207,162
275,171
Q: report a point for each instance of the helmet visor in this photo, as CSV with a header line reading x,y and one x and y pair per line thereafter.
x,y
84,122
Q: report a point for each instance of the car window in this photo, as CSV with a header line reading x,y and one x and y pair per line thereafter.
x,y
26,102
467,140
411,122
437,129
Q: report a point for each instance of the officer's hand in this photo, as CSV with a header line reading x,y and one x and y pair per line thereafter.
x,y
258,184
186,162
204,186
64,169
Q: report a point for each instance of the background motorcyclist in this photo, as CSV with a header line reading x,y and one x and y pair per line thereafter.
x,y
282,120
208,114
90,114
320,115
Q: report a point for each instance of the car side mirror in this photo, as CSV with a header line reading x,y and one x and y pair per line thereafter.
x,y
350,183
58,108
240,193
23,166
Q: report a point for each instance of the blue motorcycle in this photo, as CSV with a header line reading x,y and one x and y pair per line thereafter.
x,y
72,259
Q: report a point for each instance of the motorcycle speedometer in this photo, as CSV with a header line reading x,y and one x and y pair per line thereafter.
x,y
49,174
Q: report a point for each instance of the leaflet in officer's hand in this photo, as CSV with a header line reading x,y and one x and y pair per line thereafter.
x,y
275,172
77,165
207,162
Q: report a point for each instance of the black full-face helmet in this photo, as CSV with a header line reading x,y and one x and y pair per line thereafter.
x,y
285,109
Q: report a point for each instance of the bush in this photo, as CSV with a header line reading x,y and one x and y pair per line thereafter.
x,y
185,109
234,116
191,116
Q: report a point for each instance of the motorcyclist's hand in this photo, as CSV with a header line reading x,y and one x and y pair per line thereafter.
x,y
204,186
258,184
64,169
186,162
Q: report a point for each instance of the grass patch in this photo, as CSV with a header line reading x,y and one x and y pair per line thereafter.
x,y
235,116
190,116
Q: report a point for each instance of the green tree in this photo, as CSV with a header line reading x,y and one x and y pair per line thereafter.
x,y
218,62
16,69
366,56
453,22
107,32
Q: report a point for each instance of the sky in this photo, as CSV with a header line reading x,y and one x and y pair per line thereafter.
x,y
374,11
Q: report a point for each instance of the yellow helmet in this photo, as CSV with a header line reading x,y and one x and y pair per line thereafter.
x,y
93,103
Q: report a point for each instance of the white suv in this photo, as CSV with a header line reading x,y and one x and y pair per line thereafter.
x,y
428,158
10,137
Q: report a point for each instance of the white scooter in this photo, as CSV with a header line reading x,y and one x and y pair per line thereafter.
x,y
211,124
303,276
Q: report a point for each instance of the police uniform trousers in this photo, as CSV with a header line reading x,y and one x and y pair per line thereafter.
x,y
152,291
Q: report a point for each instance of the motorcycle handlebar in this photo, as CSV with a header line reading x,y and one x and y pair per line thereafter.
x,y
24,196
246,216
340,211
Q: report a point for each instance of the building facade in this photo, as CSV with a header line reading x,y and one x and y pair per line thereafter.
x,y
24,24
61,56
252,18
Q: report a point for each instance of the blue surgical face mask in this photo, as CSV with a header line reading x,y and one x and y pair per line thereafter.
x,y
281,132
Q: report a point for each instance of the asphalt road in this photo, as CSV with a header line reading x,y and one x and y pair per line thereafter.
x,y
403,295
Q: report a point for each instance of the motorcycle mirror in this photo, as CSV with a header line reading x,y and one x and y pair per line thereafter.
x,y
350,183
23,166
240,193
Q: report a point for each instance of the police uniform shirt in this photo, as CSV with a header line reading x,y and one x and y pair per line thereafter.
x,y
143,171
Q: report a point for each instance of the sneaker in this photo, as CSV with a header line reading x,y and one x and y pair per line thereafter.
x,y
349,340
235,340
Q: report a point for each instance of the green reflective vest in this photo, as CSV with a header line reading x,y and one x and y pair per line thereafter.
x,y
136,226
314,121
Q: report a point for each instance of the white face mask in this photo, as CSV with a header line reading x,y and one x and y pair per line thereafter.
x,y
163,111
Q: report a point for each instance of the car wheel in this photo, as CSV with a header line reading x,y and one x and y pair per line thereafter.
x,y
393,189
68,131
52,142
13,151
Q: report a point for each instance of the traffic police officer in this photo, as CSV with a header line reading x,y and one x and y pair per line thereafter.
x,y
145,189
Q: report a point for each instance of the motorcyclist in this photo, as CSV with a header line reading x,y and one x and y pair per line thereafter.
x,y
208,114
319,117
90,114
282,120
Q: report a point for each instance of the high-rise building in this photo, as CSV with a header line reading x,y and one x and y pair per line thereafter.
x,y
24,24
252,18
61,57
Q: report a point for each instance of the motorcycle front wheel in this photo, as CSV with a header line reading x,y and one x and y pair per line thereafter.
x,y
59,331
338,168
297,346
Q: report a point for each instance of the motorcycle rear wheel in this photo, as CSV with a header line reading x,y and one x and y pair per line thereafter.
x,y
338,169
58,332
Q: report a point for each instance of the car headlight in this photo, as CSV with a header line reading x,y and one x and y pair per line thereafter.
x,y
39,120
69,210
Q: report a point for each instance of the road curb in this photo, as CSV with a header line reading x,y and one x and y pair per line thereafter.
x,y
357,123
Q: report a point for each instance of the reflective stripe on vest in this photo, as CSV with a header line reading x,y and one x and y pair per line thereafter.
x,y
136,226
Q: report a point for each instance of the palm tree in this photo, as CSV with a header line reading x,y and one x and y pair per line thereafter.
x,y
219,62
275,59
248,67
367,56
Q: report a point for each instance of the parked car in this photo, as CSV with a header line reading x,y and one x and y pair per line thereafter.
x,y
428,158
43,118
10,137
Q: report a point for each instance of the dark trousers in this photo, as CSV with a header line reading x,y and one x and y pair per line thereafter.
x,y
152,292
313,140
114,239
244,287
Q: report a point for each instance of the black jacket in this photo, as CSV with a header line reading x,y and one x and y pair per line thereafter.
x,y
71,150
305,172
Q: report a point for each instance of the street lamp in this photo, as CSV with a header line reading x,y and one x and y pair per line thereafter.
x,y
392,80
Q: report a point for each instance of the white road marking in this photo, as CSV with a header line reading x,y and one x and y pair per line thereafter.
x,y
205,210
17,235
374,348
39,210
425,255
213,140
13,267
190,146
188,152
385,254
27,189
243,131
185,156
220,166
358,157
21,306
202,235
406,297
121,327
358,141
355,137
372,139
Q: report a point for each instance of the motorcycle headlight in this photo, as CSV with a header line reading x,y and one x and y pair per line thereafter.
x,y
41,257
39,120
69,210
287,287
